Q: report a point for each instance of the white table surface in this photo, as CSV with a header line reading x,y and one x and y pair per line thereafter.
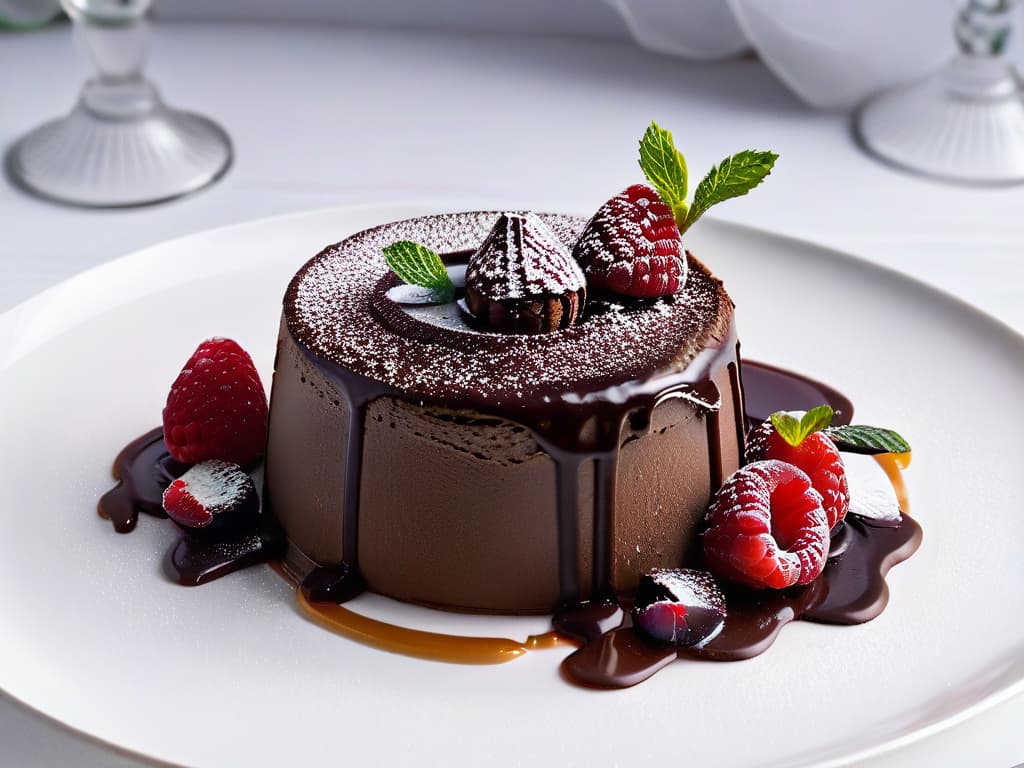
x,y
324,116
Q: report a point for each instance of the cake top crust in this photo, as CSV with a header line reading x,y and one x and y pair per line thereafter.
x,y
337,308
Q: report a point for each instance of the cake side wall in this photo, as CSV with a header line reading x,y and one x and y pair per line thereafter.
x,y
306,452
458,509
663,485
460,516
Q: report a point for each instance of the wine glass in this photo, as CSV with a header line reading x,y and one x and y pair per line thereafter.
x,y
965,123
120,145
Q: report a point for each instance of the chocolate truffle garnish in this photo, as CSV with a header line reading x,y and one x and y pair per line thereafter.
x,y
522,279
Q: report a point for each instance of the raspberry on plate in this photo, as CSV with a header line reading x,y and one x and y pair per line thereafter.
x,y
632,246
217,407
815,454
767,528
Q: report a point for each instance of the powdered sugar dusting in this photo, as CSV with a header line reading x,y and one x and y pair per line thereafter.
x,y
217,485
336,307
633,229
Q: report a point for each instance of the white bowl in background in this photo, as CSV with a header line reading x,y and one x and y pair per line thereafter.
x,y
695,29
833,55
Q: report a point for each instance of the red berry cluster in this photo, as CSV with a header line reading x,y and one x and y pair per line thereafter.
x,y
769,524
216,420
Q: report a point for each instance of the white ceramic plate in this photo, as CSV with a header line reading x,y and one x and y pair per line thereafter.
x,y
95,635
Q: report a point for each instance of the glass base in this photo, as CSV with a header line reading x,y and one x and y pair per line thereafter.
x,y
964,124
120,146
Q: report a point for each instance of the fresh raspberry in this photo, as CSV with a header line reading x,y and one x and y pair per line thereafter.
x,y
816,456
766,527
217,408
212,496
632,246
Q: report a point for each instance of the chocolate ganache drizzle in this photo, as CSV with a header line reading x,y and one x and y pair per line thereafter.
x,y
574,390
583,394
612,654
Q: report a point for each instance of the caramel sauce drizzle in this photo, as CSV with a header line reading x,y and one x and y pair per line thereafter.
x,y
893,464
434,646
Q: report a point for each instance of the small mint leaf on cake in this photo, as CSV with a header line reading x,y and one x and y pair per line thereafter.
x,y
665,167
416,264
795,426
856,438
733,177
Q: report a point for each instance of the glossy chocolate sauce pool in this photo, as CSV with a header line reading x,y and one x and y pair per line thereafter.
x,y
612,654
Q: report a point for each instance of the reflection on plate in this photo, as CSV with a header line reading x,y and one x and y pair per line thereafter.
x,y
97,637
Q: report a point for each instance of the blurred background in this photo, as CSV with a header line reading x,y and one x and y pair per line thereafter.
x,y
329,102
899,125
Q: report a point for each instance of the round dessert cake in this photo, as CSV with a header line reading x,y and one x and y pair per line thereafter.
x,y
499,472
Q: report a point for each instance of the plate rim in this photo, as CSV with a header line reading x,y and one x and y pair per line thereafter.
x,y
89,279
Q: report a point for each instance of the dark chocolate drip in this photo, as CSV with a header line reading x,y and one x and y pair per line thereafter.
x,y
198,559
572,429
851,590
358,392
769,389
567,467
712,422
353,476
143,469
332,584
736,386
604,524
588,621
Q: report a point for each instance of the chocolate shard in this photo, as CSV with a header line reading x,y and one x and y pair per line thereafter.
x,y
212,499
681,606
522,279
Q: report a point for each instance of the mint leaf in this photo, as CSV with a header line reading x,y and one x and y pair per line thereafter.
x,y
665,167
733,177
870,440
795,426
418,265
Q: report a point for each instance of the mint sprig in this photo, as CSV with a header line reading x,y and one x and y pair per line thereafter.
x,y
795,426
733,177
665,167
869,440
418,265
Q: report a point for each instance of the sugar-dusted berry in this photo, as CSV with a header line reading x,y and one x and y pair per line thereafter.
x,y
816,455
767,528
213,496
632,247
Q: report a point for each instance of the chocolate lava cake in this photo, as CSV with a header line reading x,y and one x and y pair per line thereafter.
x,y
499,472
